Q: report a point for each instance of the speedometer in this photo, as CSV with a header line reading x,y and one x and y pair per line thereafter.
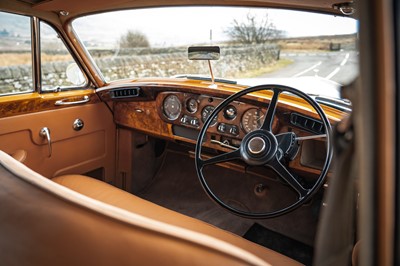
x,y
252,119
172,107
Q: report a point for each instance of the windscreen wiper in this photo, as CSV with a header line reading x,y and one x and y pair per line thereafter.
x,y
343,105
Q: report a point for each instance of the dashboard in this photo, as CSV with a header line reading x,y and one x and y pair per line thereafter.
x,y
177,112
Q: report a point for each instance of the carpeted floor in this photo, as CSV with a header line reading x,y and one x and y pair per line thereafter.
x,y
280,243
176,187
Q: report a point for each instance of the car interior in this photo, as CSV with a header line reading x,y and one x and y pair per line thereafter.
x,y
161,154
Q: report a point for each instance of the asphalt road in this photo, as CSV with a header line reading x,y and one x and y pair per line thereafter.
x,y
338,66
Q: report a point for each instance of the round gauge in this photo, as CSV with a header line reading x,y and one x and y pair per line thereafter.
x,y
192,105
252,119
172,107
230,112
206,113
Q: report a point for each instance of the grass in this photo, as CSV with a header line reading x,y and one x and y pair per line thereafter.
x,y
268,69
15,59
11,59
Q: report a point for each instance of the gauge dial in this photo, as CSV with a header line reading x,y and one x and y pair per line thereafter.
x,y
252,119
230,112
172,107
206,113
192,105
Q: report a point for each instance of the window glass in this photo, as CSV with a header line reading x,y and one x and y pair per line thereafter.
x,y
15,54
258,45
59,70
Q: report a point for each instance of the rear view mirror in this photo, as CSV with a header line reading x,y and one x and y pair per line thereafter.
x,y
203,52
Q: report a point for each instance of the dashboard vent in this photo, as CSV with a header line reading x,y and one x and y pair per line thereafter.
x,y
124,93
307,123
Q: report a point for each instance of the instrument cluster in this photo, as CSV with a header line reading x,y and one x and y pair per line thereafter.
x,y
192,110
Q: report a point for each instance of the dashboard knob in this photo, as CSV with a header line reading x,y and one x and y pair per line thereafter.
x,y
184,120
221,127
194,122
233,130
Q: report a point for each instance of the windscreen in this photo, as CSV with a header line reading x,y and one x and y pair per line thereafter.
x,y
258,45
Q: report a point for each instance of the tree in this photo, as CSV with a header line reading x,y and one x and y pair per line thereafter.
x,y
253,30
133,39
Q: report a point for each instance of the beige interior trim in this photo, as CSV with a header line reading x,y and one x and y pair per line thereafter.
x,y
35,179
73,152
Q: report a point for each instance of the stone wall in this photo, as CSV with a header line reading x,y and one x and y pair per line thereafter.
x,y
144,63
16,79
233,61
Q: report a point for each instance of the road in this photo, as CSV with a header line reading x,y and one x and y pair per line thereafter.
x,y
338,66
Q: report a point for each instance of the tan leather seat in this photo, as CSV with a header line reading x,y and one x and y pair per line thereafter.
x,y
44,223
355,260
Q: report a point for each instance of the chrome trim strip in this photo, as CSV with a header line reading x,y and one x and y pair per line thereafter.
x,y
35,39
67,101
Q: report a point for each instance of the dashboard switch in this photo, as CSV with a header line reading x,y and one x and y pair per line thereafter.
x,y
188,120
234,130
184,120
194,122
222,127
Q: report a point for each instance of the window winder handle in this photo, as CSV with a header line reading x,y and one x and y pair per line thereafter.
x,y
45,133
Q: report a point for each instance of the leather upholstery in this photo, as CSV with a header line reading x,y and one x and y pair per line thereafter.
x,y
19,136
43,223
355,261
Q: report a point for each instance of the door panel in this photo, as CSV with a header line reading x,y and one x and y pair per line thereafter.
x,y
73,152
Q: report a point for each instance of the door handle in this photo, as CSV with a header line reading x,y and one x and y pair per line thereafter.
x,y
45,133
68,101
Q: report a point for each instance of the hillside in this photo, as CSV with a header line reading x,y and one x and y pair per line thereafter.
x,y
347,42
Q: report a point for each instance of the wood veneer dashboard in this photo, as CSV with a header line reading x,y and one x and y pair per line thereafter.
x,y
175,110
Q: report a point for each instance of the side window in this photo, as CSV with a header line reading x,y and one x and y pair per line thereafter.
x,y
15,54
59,70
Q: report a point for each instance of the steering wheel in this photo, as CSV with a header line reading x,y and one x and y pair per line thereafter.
x,y
262,147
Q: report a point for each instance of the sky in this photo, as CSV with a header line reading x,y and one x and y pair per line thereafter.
x,y
192,25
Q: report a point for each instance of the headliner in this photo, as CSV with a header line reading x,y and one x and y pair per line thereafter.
x,y
79,7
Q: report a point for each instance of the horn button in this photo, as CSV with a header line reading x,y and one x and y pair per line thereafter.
x,y
258,147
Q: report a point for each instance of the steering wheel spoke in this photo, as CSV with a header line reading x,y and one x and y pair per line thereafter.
x,y
225,157
269,117
285,174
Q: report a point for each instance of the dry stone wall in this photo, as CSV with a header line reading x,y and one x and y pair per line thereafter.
x,y
138,63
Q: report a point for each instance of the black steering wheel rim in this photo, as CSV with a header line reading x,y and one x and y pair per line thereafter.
x,y
303,195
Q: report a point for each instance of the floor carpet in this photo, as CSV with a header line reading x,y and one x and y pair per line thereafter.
x,y
280,243
177,187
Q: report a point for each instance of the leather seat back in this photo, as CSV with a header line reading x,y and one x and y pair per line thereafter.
x,y
43,223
